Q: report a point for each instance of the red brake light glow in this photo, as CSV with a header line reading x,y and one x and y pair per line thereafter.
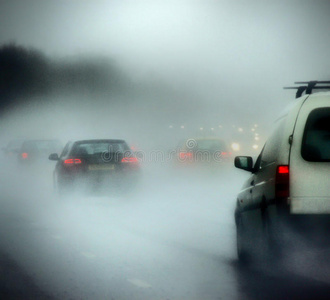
x,y
283,169
226,154
24,155
129,160
282,182
72,161
185,155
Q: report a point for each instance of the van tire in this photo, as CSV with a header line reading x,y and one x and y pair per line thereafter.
x,y
271,241
243,253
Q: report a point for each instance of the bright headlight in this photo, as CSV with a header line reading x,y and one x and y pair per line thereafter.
x,y
235,146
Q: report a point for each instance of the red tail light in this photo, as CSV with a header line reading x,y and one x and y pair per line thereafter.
x,y
282,182
24,155
226,154
72,161
185,155
129,160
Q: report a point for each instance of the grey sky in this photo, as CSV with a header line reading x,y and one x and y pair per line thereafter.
x,y
235,50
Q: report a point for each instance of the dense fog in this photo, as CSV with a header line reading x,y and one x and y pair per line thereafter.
x,y
153,73
156,64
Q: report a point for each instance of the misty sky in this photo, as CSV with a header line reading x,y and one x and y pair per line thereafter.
x,y
233,55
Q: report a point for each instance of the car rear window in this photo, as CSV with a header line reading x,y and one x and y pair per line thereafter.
x,y
316,139
92,148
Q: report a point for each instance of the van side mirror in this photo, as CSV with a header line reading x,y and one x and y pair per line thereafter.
x,y
244,163
53,156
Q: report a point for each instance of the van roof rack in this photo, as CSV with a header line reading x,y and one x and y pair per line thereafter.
x,y
309,87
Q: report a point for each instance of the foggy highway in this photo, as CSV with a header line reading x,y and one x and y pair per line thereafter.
x,y
172,239
152,73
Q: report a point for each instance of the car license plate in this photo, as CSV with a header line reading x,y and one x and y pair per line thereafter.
x,y
104,167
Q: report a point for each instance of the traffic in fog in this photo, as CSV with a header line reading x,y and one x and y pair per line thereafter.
x,y
149,150
173,236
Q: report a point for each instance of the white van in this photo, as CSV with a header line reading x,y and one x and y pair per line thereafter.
x,y
288,192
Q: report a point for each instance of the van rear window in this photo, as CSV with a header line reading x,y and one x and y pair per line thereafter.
x,y
316,140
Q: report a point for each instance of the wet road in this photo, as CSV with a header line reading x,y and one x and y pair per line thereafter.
x,y
174,238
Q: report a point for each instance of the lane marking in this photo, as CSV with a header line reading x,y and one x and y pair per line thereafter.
x,y
139,283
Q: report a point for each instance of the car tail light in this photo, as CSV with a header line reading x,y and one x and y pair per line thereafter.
x,y
282,182
25,155
185,155
226,154
72,161
129,160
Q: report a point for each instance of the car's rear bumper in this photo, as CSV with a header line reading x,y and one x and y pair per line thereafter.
x,y
99,178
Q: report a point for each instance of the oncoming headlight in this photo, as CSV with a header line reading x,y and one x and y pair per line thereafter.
x,y
255,147
235,146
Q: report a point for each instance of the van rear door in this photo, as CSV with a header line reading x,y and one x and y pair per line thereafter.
x,y
310,158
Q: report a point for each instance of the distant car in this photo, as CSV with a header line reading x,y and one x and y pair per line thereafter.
x,y
209,151
37,151
94,164
287,196
13,147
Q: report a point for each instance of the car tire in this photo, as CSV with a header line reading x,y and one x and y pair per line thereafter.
x,y
273,247
60,186
243,252
54,184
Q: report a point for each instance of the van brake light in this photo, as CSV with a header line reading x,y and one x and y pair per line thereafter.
x,y
282,182
283,169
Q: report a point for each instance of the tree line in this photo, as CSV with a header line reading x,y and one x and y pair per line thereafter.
x,y
26,73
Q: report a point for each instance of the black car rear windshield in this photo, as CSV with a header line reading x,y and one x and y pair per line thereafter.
x,y
316,139
99,147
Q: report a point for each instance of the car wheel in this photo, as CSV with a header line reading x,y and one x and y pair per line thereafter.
x,y
60,186
244,256
54,184
272,245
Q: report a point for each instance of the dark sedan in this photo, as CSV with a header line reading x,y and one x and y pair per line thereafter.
x,y
34,152
203,151
95,164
